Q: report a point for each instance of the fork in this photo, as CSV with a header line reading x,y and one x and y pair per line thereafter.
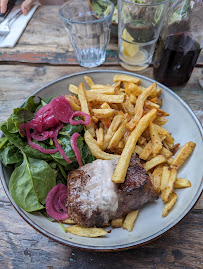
x,y
5,30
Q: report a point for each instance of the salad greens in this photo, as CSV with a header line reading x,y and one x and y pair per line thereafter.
x,y
36,173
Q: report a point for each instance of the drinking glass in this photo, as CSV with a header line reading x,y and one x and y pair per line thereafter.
x,y
139,25
180,43
89,31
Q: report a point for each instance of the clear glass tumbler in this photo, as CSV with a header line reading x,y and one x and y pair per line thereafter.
x,y
88,30
139,25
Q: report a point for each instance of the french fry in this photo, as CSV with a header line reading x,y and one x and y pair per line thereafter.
x,y
151,104
128,107
156,141
133,99
118,135
130,220
92,96
156,178
165,177
138,150
183,154
166,153
154,162
139,107
86,232
73,101
160,121
105,106
146,151
74,89
170,186
169,205
100,136
126,79
117,223
101,86
84,106
95,149
122,166
182,183
104,91
170,160
112,129
89,81
103,113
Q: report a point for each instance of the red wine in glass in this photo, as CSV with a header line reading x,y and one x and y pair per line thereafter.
x,y
175,58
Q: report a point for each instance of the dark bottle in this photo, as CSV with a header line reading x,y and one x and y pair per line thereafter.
x,y
179,44
175,58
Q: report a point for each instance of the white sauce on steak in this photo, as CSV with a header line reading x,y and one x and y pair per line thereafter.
x,y
100,192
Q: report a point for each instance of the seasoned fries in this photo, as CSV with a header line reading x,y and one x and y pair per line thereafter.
x,y
182,155
123,163
130,220
127,118
86,232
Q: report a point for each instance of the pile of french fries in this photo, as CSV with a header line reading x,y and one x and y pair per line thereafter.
x,y
127,118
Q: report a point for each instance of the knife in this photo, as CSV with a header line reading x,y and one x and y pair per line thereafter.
x,y
10,5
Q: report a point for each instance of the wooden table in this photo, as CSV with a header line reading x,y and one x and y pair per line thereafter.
x,y
42,55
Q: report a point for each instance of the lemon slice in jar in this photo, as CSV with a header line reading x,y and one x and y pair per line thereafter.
x,y
129,50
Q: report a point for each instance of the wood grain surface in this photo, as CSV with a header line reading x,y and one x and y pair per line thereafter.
x,y
42,55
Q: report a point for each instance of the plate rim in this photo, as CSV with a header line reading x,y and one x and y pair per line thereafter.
x,y
124,246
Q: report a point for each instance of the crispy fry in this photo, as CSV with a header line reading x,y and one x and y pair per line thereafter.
x,y
160,120
84,106
130,220
86,232
126,79
89,81
104,91
117,223
95,149
73,101
122,166
183,154
166,153
146,151
138,150
101,86
154,162
92,96
103,113
170,186
100,136
165,177
112,129
156,141
133,99
74,89
156,178
168,206
182,183
139,107
118,135
105,105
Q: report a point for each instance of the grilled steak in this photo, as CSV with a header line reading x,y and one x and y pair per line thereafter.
x,y
93,199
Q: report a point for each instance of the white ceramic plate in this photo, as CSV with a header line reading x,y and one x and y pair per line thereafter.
x,y
150,224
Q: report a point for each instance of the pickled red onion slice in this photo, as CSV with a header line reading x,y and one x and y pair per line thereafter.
x,y
61,151
86,122
56,201
74,146
61,108
42,136
36,146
